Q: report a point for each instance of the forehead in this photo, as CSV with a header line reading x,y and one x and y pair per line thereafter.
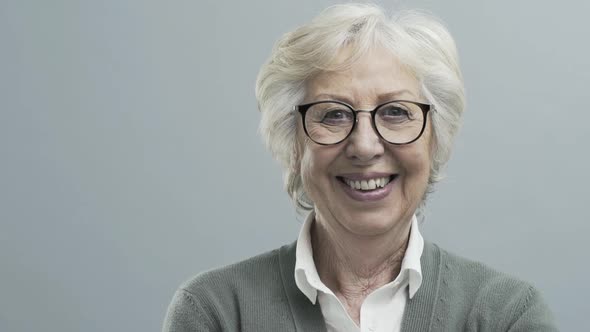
x,y
372,78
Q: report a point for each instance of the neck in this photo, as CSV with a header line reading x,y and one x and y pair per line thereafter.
x,y
352,266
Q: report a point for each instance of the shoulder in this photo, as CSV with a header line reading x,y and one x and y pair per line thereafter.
x,y
490,296
216,300
478,282
236,276
474,274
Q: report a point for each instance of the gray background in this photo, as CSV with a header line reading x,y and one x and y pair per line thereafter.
x,y
130,158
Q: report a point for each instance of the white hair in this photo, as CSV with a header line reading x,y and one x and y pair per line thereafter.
x,y
419,41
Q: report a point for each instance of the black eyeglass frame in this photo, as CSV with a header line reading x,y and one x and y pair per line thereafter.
x,y
302,109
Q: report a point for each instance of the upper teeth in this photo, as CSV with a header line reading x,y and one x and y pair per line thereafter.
x,y
367,184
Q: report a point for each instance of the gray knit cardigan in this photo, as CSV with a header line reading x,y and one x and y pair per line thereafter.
x,y
260,294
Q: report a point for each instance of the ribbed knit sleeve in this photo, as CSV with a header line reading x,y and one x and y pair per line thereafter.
x,y
532,313
186,314
489,300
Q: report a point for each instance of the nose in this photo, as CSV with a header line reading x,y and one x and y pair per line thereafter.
x,y
364,144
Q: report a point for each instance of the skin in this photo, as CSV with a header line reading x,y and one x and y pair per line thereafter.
x,y
358,246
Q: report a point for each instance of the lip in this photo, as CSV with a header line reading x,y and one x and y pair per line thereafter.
x,y
369,196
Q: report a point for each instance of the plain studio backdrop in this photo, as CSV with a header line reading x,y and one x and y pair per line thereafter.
x,y
130,158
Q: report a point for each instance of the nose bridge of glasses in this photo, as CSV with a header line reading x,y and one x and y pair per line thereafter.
x,y
358,112
369,117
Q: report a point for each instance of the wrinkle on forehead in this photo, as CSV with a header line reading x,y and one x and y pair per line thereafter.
x,y
373,78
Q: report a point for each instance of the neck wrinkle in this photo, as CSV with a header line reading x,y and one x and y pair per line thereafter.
x,y
349,274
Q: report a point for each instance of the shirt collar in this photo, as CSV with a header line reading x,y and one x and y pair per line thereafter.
x,y
411,261
307,277
306,273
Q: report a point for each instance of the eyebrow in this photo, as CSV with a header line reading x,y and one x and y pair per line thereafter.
x,y
395,94
383,97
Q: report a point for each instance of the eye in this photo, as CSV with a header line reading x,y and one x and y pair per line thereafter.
x,y
395,114
393,111
337,116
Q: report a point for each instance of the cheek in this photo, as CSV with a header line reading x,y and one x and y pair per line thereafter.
x,y
309,177
310,168
316,171
421,156
416,166
415,163
306,167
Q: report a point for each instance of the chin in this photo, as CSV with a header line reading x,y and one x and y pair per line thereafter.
x,y
371,223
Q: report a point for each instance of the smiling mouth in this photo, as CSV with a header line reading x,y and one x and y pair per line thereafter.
x,y
367,184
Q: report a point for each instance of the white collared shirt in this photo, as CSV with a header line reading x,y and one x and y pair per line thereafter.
x,y
383,309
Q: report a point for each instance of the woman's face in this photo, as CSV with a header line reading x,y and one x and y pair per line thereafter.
x,y
376,78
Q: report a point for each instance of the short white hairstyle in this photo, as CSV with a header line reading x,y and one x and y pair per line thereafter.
x,y
419,41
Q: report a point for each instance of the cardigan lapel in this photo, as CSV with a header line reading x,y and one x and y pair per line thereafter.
x,y
419,310
307,317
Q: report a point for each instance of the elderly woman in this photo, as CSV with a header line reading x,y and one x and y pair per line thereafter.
x,y
361,110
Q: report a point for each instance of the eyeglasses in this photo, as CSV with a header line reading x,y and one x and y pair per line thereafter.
x,y
330,122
